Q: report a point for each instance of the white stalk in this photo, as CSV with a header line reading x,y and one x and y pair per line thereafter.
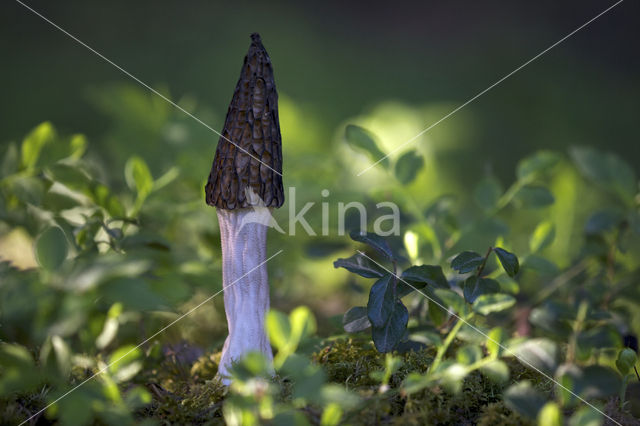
x,y
243,234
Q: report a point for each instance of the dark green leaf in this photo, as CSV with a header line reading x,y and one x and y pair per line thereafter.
x,y
594,381
374,241
508,260
356,320
487,193
586,416
466,261
603,221
51,248
362,140
533,197
381,301
360,265
524,399
488,303
408,166
386,337
627,358
474,287
426,274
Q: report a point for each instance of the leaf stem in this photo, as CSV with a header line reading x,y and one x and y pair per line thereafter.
x,y
484,262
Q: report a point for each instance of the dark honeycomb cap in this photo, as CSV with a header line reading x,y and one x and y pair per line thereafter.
x,y
254,166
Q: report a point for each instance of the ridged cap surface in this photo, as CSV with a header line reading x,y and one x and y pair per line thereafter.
x,y
252,123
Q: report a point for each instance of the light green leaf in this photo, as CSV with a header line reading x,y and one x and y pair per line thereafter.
x,y
34,142
496,370
542,236
362,140
497,337
550,415
138,176
540,353
488,303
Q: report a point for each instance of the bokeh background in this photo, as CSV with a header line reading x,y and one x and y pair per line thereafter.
x,y
393,68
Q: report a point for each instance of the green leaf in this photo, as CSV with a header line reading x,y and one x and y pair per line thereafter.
x,y
468,354
533,197
408,166
19,373
488,303
10,162
540,353
591,382
425,274
331,415
362,140
374,241
627,358
51,248
356,319
381,301
386,337
508,260
124,363
278,328
603,221
537,165
608,170
496,371
542,236
487,193
34,142
586,416
134,293
550,415
474,287
138,176
360,265
524,399
466,261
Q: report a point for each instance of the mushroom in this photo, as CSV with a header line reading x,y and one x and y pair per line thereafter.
x,y
244,185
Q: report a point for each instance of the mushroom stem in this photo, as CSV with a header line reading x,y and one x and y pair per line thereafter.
x,y
243,235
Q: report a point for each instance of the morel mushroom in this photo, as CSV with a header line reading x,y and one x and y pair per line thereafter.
x,y
244,185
